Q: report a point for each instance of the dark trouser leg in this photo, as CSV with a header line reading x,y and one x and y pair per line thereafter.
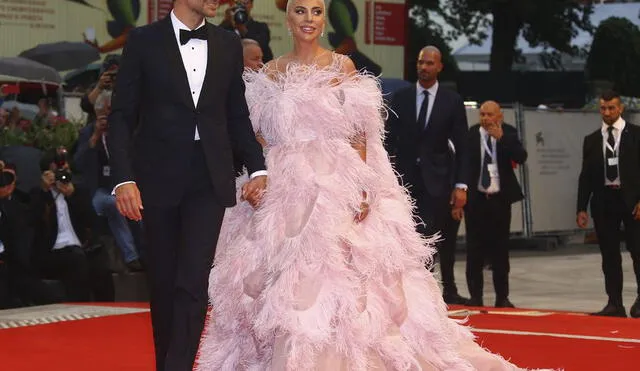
x,y
498,245
70,265
200,217
435,212
100,278
632,237
162,227
476,245
607,224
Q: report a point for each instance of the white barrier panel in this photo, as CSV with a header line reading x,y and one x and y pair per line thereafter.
x,y
554,143
517,223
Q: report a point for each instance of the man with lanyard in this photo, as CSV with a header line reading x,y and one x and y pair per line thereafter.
x,y
610,183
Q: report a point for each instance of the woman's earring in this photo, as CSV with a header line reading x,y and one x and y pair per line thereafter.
x,y
289,31
322,33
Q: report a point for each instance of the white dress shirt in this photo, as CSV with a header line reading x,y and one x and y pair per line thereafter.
x,y
618,127
420,98
194,57
494,186
66,234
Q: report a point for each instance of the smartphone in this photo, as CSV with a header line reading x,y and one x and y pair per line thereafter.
x,y
90,34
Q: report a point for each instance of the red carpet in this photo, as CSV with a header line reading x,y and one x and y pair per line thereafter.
x,y
124,342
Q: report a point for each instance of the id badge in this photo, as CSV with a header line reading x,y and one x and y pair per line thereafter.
x,y
493,170
613,161
106,170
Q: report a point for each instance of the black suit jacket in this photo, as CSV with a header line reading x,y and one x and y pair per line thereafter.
x,y
15,234
408,141
45,220
509,149
258,31
153,119
591,181
86,159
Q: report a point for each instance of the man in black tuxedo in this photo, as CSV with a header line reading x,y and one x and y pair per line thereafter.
x,y
610,180
177,107
492,148
428,118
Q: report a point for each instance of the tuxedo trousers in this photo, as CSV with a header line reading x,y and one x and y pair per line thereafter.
x,y
435,215
181,242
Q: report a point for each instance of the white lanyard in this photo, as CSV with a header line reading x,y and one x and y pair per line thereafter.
x,y
616,144
487,150
104,144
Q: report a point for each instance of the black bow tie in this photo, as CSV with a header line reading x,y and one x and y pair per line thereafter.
x,y
198,33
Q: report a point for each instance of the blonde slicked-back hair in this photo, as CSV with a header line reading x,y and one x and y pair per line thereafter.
x,y
290,3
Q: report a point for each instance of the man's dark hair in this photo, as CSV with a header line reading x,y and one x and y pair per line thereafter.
x,y
608,95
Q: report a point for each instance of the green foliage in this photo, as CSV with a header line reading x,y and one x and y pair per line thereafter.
x,y
42,136
424,31
615,55
545,23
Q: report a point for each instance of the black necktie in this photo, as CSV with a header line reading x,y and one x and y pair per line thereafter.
x,y
612,170
198,33
422,116
486,176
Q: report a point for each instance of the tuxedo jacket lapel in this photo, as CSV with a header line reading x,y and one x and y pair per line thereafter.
x,y
214,56
176,65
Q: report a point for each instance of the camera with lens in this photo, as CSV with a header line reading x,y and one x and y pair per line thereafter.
x,y
110,67
63,176
240,14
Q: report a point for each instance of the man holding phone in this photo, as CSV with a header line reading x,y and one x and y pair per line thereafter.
x,y
105,84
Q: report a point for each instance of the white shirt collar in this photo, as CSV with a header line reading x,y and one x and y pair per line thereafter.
x,y
178,25
618,126
484,133
432,90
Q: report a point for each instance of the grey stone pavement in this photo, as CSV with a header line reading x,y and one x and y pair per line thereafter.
x,y
568,278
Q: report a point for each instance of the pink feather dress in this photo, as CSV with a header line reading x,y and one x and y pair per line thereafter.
x,y
297,284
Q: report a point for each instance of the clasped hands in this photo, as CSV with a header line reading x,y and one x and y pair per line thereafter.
x,y
254,190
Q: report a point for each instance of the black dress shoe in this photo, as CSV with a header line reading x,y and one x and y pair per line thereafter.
x,y
611,311
455,299
635,308
135,266
504,303
474,302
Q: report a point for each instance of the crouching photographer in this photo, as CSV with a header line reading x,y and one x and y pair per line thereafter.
x,y
237,18
64,248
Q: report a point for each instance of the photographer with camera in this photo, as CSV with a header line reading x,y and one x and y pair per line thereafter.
x,y
92,160
64,247
237,18
104,86
19,283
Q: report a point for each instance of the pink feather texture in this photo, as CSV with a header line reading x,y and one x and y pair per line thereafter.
x,y
297,284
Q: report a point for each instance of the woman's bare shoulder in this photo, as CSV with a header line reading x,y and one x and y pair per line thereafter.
x,y
277,66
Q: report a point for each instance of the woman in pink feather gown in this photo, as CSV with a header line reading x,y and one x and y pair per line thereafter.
x,y
327,273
